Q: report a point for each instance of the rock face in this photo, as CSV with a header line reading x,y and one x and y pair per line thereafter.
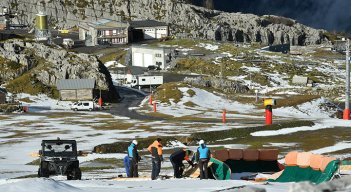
x,y
49,65
226,85
183,18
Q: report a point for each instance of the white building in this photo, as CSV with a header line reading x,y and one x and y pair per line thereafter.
x,y
104,32
150,29
144,56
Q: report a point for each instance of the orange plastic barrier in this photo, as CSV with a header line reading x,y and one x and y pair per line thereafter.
x,y
316,161
291,158
268,154
250,154
304,159
235,154
326,161
221,155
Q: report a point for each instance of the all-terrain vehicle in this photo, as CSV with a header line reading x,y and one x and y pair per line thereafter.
x,y
59,157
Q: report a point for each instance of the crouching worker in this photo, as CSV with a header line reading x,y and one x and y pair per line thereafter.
x,y
177,158
156,152
134,158
203,156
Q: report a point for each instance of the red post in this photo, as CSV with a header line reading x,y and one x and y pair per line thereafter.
x,y
346,114
150,100
269,115
100,102
155,108
224,118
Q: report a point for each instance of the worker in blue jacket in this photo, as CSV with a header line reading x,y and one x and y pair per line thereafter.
x,y
203,156
134,158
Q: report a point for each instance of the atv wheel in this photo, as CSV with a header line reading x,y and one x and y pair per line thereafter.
x,y
75,174
43,173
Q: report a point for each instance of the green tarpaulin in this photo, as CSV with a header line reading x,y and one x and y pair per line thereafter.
x,y
297,174
220,170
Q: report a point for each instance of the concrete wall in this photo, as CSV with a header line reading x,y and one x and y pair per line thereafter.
x,y
145,56
81,94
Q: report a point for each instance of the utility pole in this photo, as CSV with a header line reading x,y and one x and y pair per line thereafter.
x,y
347,92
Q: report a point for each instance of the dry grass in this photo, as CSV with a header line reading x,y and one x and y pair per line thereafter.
x,y
118,56
160,115
320,53
169,91
296,100
26,99
113,125
3,117
190,104
56,115
191,92
289,101
306,140
26,123
24,84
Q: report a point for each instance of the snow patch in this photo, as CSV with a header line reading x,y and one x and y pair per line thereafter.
x,y
208,46
35,185
324,124
114,64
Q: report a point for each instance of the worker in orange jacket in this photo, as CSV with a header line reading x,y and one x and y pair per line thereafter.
x,y
156,151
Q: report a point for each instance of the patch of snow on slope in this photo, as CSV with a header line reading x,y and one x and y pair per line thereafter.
x,y
204,101
251,69
307,110
324,124
208,46
44,102
336,147
113,64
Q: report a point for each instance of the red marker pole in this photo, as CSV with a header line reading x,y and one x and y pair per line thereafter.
x,y
346,114
150,100
224,118
100,102
269,115
155,108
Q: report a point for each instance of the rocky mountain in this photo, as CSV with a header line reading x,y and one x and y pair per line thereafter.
x,y
325,14
47,65
182,17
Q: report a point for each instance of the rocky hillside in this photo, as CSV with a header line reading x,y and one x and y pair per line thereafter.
x,y
38,64
182,17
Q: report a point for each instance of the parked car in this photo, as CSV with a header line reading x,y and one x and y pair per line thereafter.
x,y
68,43
59,157
83,105
153,68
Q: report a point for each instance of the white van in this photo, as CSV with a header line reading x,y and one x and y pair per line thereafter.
x,y
83,105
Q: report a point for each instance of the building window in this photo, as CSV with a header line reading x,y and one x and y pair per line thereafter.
x,y
142,79
158,55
